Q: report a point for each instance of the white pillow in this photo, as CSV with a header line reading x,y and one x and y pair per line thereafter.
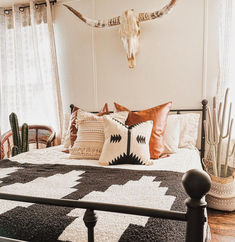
x,y
126,145
189,125
172,134
90,134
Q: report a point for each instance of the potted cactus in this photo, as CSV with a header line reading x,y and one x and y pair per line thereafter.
x,y
21,142
218,131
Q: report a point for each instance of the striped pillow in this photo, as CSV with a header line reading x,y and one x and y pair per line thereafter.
x,y
90,135
72,128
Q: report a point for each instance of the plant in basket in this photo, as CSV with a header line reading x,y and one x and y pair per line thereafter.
x,y
218,133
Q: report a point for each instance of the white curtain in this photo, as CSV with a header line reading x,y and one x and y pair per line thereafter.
x,y
28,69
226,77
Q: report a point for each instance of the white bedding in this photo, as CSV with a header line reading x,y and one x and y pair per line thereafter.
x,y
182,161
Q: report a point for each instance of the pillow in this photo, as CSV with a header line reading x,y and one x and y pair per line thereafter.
x,y
159,116
72,129
126,144
172,134
66,134
90,135
189,125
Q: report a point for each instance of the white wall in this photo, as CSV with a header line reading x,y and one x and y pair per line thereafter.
x,y
171,64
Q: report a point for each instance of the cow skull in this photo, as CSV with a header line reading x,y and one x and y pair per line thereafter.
x,y
129,27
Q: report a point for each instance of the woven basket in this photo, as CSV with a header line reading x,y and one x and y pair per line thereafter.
x,y
222,193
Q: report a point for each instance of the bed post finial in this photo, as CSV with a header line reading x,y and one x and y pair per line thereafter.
x,y
71,107
196,184
204,102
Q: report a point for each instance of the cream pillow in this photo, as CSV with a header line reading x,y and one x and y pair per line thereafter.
x,y
66,131
172,134
90,135
126,145
189,127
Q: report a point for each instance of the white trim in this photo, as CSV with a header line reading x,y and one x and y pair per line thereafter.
x,y
205,49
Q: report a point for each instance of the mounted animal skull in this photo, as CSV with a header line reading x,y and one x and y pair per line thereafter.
x,y
129,27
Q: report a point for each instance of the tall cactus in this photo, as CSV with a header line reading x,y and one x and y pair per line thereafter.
x,y
21,143
215,134
15,131
25,137
14,151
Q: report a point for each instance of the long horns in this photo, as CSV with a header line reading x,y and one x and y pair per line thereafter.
x,y
152,15
95,23
116,20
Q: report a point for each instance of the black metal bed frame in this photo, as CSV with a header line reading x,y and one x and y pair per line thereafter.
x,y
196,184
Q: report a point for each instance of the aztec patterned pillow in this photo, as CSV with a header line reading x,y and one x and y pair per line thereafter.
x,y
159,116
90,135
126,144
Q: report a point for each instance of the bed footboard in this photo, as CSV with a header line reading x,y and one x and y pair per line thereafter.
x,y
196,184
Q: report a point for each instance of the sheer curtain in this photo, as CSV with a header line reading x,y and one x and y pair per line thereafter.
x,y
226,76
28,68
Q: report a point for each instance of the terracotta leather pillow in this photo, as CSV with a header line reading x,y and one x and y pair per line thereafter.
x,y
73,122
159,116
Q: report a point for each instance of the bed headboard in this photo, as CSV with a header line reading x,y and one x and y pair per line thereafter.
x,y
179,111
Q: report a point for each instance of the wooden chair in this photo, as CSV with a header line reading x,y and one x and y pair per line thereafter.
x,y
40,136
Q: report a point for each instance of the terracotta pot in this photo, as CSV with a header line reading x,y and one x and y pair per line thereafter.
x,y
222,193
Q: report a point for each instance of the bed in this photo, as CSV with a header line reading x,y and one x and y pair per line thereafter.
x,y
54,198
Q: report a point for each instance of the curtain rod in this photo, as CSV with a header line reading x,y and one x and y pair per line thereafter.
x,y
7,11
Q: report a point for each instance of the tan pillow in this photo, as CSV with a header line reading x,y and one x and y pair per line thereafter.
x,y
72,129
126,144
90,135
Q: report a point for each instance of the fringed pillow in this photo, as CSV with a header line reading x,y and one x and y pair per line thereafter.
x,y
126,144
90,135
73,128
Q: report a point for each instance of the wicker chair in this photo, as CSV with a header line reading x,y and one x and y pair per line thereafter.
x,y
40,136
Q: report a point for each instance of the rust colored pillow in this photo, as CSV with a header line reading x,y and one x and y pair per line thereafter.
x,y
159,116
73,122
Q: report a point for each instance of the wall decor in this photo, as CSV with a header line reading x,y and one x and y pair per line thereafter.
x,y
129,23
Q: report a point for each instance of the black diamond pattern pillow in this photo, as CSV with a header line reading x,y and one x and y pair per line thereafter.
x,y
126,144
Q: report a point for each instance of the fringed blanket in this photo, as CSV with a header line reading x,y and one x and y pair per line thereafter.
x,y
32,222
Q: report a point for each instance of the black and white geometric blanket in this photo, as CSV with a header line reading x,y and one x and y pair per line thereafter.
x,y
32,222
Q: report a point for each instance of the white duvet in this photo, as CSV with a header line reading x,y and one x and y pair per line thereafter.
x,y
182,161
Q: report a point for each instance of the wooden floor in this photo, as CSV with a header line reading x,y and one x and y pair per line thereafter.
x,y
222,225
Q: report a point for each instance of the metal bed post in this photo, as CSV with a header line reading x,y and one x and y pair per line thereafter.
x,y
204,109
196,184
90,220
